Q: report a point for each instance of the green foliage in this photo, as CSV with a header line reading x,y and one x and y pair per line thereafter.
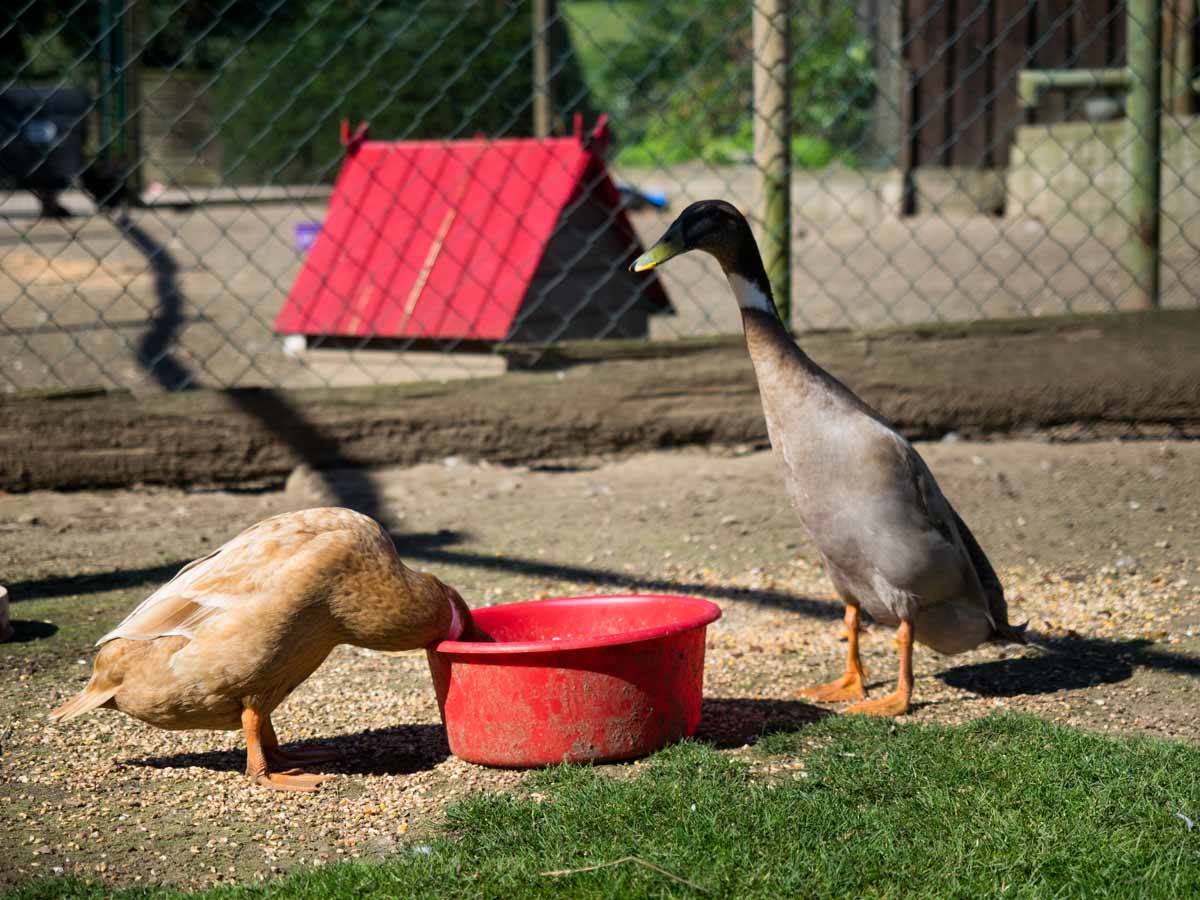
x,y
1003,807
807,152
59,38
672,74
412,68
817,153
833,81
189,36
285,72
676,76
45,39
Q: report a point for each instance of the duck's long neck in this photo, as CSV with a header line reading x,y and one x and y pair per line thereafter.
x,y
767,338
384,605
786,376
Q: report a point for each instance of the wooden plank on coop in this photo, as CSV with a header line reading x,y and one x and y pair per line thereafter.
x,y
972,106
1089,28
1116,32
1051,51
1177,72
1012,28
927,37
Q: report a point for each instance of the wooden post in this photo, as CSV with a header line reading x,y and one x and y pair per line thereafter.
x,y
1178,56
1144,104
772,144
1169,76
882,22
543,87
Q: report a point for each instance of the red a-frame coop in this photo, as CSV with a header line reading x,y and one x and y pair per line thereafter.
x,y
427,242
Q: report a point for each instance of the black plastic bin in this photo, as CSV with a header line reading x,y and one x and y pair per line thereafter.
x,y
42,132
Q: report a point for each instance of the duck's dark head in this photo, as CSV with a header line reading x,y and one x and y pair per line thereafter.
x,y
719,229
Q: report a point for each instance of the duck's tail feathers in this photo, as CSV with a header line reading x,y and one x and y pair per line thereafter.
x,y
1018,634
86,700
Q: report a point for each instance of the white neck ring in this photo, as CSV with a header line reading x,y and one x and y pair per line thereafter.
x,y
749,295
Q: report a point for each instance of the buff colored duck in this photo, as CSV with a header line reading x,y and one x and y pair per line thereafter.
x,y
891,542
225,641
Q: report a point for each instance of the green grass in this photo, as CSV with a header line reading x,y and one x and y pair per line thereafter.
x,y
1004,807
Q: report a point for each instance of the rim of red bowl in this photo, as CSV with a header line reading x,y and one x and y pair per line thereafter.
x,y
706,613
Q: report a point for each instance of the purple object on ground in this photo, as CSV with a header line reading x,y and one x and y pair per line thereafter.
x,y
306,233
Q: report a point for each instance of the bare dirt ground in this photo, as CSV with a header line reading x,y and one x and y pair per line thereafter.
x,y
1093,377
1097,543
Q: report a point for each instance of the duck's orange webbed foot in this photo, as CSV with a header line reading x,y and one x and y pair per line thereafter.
x,y
262,751
896,704
900,701
849,687
290,781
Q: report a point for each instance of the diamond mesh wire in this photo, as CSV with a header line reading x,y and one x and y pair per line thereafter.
x,y
927,186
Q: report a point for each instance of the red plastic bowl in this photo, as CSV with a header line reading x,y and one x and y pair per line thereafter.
x,y
574,679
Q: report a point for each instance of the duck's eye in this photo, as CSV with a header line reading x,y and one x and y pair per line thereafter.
x,y
699,231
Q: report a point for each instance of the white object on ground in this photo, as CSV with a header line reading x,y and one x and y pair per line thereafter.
x,y
6,629
294,344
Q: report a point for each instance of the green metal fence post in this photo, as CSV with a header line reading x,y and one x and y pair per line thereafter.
x,y
772,143
131,146
118,60
543,87
107,115
1144,48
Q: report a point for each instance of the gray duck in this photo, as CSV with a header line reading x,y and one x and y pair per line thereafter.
x,y
890,540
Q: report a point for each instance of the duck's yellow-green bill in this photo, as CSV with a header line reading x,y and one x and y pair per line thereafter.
x,y
655,256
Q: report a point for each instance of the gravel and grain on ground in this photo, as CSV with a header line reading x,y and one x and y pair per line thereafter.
x,y
1098,545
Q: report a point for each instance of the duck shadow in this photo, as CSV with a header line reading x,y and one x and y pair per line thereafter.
x,y
1074,663
401,750
26,630
731,722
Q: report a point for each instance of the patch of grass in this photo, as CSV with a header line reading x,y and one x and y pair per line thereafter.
x,y
1004,807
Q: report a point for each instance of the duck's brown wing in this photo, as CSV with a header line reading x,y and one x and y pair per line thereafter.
x,y
236,573
202,589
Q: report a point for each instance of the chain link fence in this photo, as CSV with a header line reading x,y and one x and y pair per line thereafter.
x,y
181,205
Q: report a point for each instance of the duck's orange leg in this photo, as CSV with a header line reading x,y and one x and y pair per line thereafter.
x,y
257,769
282,759
850,686
896,703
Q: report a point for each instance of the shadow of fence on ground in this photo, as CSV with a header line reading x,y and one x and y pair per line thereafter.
x,y
154,352
156,355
